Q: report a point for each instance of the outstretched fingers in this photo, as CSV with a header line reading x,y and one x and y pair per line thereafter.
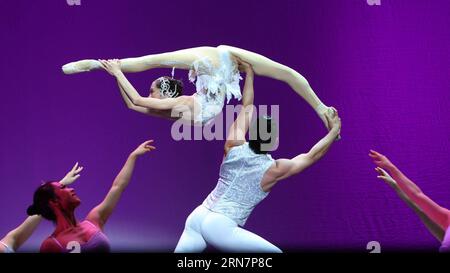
x,y
147,145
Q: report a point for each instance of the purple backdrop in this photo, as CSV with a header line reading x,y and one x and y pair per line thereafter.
x,y
384,67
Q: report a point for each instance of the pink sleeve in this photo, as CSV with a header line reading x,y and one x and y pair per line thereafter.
x,y
438,214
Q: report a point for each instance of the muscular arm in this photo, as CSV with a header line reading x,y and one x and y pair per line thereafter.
x,y
17,237
285,168
240,126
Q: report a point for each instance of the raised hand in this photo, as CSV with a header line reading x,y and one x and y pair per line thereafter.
x,y
72,175
244,66
144,148
384,175
380,160
112,66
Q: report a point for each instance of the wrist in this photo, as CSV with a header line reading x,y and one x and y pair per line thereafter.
x,y
390,167
133,156
321,109
335,130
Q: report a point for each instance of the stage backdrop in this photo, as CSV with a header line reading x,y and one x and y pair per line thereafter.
x,y
386,68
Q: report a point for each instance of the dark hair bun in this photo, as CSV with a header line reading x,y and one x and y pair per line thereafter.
x,y
41,199
32,210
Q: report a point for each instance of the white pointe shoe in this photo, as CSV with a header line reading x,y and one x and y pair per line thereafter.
x,y
80,66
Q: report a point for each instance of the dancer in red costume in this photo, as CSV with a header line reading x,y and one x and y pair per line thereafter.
x,y
438,215
57,203
18,236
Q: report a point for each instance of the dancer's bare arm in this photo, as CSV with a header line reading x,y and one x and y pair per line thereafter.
x,y
113,67
285,168
140,109
432,226
19,235
100,214
129,103
240,126
433,210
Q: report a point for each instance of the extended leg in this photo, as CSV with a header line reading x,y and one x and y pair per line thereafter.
x,y
180,59
264,66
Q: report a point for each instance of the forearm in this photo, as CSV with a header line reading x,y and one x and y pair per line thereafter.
x,y
434,228
148,103
128,88
248,92
19,235
102,212
405,184
124,95
322,147
436,213
123,178
140,109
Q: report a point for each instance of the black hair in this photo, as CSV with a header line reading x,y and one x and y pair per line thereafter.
x,y
175,86
41,202
263,134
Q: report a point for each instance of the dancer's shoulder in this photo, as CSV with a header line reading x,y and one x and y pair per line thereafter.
x,y
234,145
50,245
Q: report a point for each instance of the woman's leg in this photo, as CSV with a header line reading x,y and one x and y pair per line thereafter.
x,y
225,235
191,241
264,66
182,59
